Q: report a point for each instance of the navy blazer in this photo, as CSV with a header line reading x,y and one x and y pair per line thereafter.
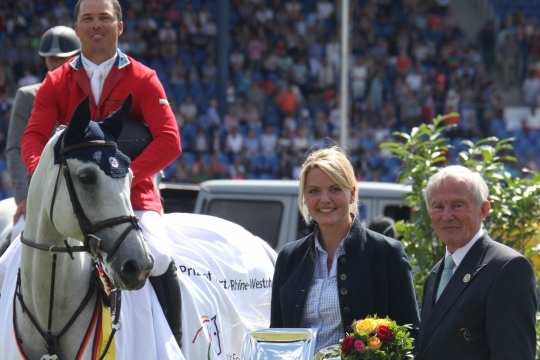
x,y
486,312
374,277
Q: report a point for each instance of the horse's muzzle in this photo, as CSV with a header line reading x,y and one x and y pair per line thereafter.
x,y
133,273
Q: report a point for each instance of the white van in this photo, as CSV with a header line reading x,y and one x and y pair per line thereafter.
x,y
268,208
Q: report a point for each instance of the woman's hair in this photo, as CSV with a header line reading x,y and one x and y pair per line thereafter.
x,y
334,163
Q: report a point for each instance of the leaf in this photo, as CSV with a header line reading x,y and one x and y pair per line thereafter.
x,y
439,159
467,143
487,153
491,139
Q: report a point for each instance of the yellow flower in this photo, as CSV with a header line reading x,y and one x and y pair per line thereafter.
x,y
384,322
366,326
374,343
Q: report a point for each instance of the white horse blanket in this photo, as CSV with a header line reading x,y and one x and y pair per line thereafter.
x,y
226,279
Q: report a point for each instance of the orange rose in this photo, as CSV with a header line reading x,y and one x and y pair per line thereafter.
x,y
374,343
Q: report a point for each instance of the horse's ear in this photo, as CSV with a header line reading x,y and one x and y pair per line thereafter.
x,y
78,123
113,124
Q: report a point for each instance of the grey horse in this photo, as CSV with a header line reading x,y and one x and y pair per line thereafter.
x,y
79,216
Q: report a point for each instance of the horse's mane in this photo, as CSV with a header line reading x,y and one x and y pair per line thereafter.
x,y
48,150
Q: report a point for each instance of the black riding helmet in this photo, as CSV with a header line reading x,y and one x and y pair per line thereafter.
x,y
60,41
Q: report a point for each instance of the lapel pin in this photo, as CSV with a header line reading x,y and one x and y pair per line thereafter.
x,y
466,278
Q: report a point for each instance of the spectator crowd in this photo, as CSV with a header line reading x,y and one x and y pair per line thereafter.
x,y
409,62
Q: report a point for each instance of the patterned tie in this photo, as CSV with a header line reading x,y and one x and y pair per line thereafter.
x,y
446,275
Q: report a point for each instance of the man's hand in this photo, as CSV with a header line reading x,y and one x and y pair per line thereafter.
x,y
21,211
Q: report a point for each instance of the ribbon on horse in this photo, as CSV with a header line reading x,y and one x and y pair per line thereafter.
x,y
105,331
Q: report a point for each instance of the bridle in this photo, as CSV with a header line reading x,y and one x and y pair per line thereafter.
x,y
92,244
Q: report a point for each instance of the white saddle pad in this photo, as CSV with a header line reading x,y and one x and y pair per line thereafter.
x,y
227,272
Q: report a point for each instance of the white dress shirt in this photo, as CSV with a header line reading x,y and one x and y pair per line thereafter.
x,y
97,74
459,254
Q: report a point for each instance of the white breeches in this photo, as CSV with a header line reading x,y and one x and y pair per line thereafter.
x,y
156,237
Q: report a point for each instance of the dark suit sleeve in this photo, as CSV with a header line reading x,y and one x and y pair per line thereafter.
x,y
511,311
20,112
403,305
276,319
43,119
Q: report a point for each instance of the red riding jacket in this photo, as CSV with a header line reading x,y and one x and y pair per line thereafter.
x,y
64,88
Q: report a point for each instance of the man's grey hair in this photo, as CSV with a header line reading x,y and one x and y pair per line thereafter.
x,y
473,180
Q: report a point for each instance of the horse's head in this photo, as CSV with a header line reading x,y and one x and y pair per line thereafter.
x,y
91,199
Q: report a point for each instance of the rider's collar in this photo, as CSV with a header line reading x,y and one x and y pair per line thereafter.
x,y
121,61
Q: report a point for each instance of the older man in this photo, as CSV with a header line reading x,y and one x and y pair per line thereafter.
x,y
479,301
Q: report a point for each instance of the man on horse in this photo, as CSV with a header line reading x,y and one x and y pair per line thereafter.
x,y
107,76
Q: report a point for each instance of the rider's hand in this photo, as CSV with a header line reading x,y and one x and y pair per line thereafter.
x,y
21,211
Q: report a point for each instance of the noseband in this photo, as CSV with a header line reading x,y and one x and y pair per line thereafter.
x,y
92,243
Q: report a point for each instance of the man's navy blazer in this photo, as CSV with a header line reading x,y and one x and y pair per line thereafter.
x,y
373,277
486,312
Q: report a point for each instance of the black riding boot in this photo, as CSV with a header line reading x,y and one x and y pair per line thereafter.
x,y
167,289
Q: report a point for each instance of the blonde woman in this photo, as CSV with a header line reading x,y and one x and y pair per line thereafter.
x,y
341,271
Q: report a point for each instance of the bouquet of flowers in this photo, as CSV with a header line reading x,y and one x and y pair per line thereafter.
x,y
377,339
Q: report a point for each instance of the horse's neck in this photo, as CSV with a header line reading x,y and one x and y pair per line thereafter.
x,y
71,279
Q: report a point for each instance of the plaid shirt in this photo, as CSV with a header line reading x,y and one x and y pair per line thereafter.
x,y
322,309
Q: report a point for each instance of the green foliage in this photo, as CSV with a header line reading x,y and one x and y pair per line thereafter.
x,y
515,207
515,201
421,152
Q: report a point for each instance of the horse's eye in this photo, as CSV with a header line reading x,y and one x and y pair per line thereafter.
x,y
87,176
